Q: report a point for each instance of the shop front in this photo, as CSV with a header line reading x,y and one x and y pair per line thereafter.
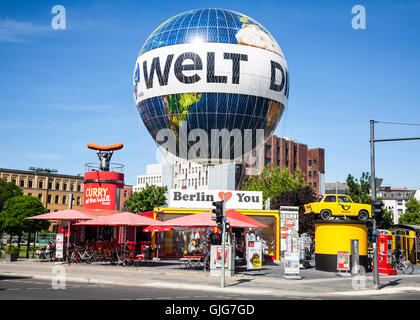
x,y
407,238
181,241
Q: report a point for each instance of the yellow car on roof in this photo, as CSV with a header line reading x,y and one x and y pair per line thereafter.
x,y
338,205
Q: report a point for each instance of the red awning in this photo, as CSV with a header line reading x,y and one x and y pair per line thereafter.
x,y
121,219
239,216
157,229
204,219
68,214
99,212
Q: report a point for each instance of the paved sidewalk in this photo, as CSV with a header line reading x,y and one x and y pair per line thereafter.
x,y
167,275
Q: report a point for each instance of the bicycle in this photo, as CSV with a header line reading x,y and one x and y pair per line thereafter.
x,y
399,262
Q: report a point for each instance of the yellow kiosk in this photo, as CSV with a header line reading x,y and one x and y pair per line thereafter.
x,y
332,236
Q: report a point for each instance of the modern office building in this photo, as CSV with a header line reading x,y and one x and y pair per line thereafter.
x,y
51,188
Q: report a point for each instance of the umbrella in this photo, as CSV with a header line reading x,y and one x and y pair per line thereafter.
x,y
157,229
204,219
239,216
121,219
68,214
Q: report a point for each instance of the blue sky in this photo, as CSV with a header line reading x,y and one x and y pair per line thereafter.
x,y
60,89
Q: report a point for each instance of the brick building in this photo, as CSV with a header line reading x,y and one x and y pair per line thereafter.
x,y
287,153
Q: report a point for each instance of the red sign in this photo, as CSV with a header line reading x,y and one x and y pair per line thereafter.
x,y
289,222
101,189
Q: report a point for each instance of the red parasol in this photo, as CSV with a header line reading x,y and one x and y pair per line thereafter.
x,y
239,216
157,229
204,219
121,219
68,214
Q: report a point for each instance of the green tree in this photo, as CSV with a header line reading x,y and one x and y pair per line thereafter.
x,y
8,190
299,198
273,181
146,200
16,209
359,190
387,219
412,212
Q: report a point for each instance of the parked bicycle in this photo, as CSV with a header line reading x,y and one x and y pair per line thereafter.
x,y
401,263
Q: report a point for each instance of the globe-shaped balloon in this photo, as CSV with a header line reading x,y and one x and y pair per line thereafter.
x,y
211,85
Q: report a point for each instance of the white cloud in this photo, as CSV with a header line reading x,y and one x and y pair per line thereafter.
x,y
20,31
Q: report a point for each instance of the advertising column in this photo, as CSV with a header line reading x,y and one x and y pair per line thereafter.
x,y
289,226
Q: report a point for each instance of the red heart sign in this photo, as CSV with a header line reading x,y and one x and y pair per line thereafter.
x,y
228,195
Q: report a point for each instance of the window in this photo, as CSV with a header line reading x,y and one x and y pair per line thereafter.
x,y
319,199
40,184
57,199
57,186
72,187
30,183
49,198
63,200
49,185
40,196
314,174
267,161
64,186
22,183
344,199
267,147
310,174
328,198
315,186
78,201
314,162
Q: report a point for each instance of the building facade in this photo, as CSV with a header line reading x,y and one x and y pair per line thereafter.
x,y
286,153
53,190
394,200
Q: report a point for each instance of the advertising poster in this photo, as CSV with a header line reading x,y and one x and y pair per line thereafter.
x,y
253,255
343,261
59,245
291,262
219,257
289,227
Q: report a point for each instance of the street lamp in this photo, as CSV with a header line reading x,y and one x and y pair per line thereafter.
x,y
373,183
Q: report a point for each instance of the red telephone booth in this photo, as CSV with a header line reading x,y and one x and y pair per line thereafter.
x,y
385,254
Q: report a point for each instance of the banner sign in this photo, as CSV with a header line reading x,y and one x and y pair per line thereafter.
x,y
251,200
289,227
99,197
343,261
253,255
210,67
291,262
59,245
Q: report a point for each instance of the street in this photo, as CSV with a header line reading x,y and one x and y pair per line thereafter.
x,y
26,288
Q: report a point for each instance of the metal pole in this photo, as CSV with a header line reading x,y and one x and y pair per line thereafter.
x,y
373,188
223,242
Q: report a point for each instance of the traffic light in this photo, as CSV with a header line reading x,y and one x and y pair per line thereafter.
x,y
218,211
377,211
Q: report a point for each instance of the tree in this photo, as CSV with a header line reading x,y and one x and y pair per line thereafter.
x,y
387,219
8,190
359,191
412,213
273,181
16,209
299,198
146,200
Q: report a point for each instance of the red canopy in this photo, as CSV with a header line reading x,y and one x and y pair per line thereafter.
x,y
239,216
157,229
68,214
204,219
121,219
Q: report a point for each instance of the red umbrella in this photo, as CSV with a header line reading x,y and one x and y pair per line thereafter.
x,y
239,216
121,219
68,214
157,229
204,219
